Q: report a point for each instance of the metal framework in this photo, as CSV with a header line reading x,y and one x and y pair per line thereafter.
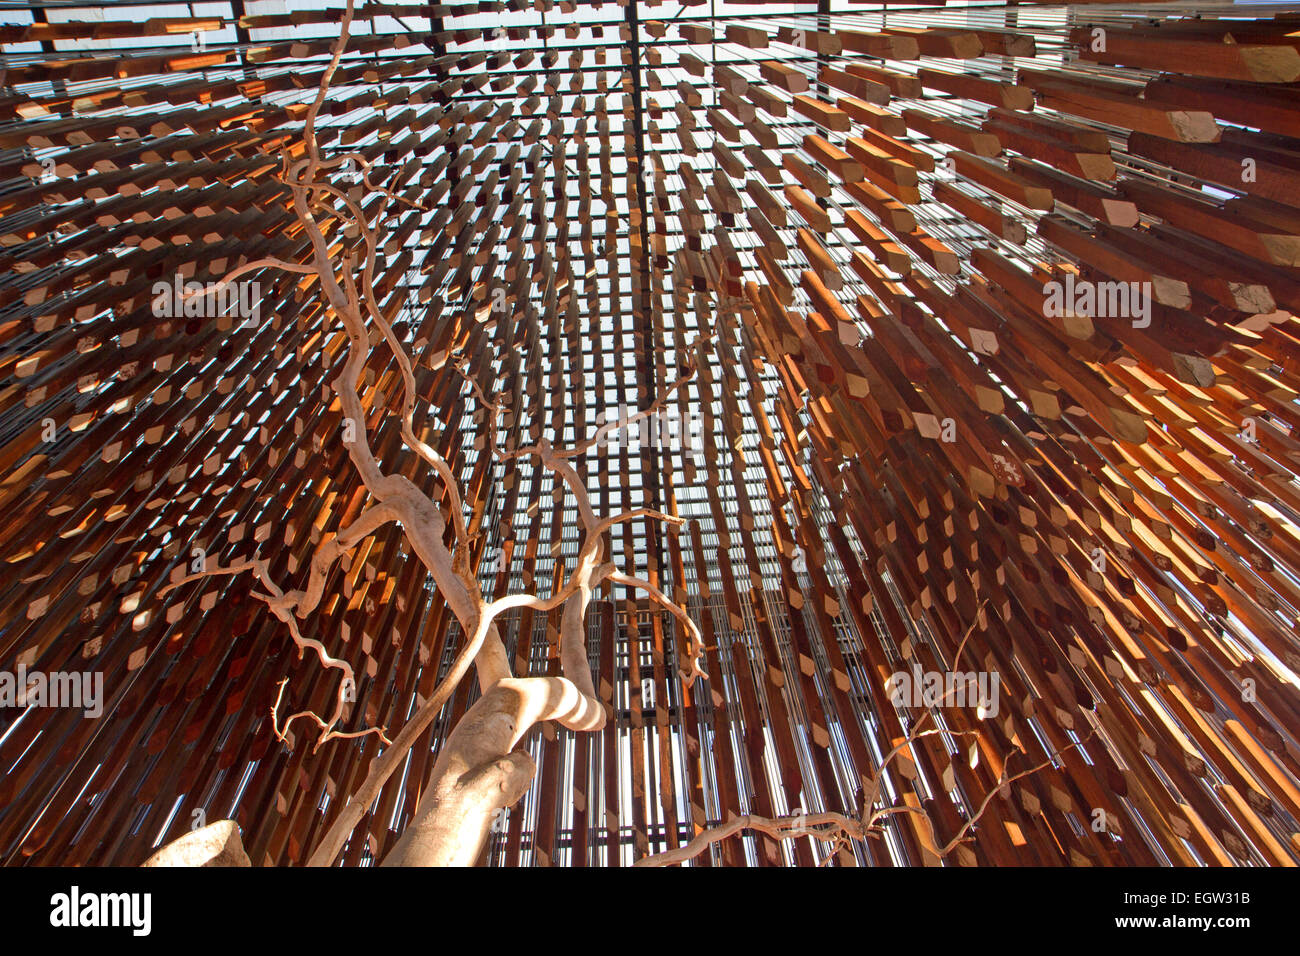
x,y
900,461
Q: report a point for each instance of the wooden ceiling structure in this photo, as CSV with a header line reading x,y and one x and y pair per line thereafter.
x,y
895,454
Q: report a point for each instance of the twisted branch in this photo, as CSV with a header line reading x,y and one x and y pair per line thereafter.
x,y
348,289
839,828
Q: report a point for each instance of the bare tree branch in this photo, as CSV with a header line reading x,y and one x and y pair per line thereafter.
x,y
838,827
475,766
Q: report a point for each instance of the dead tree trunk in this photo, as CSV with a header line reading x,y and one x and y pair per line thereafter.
x,y
478,771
